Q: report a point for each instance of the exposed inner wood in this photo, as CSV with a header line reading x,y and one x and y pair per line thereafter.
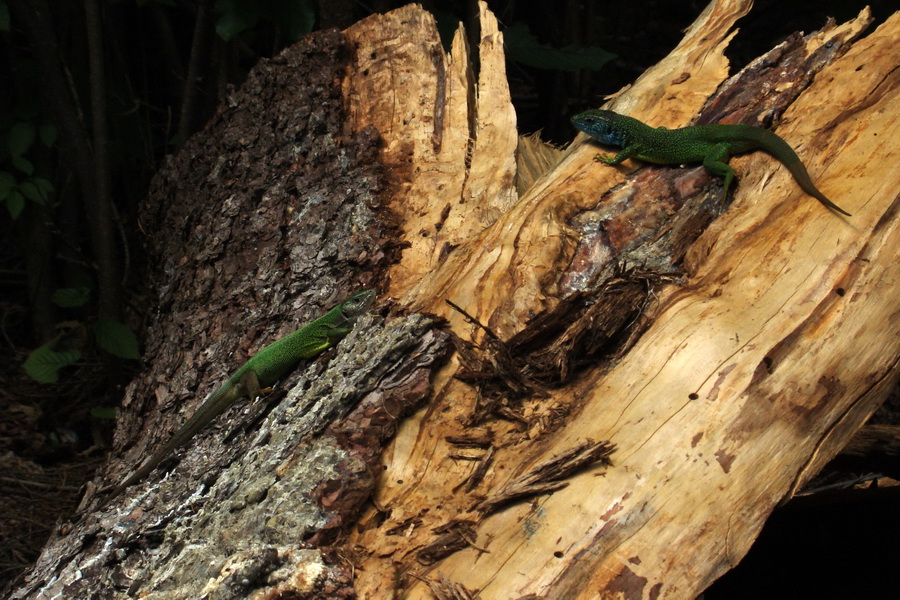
x,y
742,377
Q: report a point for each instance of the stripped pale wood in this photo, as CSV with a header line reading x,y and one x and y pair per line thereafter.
x,y
755,372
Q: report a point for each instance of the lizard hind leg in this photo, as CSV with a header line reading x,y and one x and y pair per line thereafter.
x,y
716,162
249,386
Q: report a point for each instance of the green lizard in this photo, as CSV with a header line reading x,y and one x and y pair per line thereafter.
x,y
712,145
262,370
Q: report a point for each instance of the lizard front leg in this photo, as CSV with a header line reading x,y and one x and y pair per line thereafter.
x,y
618,158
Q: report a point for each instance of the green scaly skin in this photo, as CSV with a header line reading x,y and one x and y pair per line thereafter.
x,y
712,145
263,370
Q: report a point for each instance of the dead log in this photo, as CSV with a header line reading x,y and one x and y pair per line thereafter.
x,y
724,352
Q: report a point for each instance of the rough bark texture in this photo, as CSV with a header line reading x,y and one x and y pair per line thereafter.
x,y
261,223
264,220
719,355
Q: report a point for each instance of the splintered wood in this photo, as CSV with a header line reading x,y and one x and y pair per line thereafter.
x,y
749,358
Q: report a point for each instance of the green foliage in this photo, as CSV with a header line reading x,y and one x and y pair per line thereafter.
x,y
523,47
295,17
7,184
22,164
44,363
9,193
44,186
30,190
4,16
71,297
116,338
14,193
15,204
19,139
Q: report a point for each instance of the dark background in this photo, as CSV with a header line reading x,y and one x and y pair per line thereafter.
x,y
123,83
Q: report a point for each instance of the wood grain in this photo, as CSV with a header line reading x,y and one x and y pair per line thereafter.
x,y
753,371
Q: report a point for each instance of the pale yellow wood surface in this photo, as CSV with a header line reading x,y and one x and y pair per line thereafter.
x,y
419,98
755,371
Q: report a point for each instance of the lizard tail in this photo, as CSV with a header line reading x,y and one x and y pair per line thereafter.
x,y
780,149
184,434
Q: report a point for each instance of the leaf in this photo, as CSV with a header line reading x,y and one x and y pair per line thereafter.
x,y
43,185
22,164
21,137
31,191
116,338
4,17
48,134
7,184
522,46
71,297
15,203
43,364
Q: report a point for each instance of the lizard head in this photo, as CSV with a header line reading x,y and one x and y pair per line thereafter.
x,y
602,125
357,304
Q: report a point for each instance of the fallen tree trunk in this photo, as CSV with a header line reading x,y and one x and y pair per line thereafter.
x,y
642,375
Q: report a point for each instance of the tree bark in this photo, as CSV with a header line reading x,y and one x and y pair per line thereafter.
x,y
263,221
731,356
